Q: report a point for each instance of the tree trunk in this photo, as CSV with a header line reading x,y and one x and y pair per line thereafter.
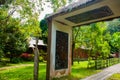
x,y
36,61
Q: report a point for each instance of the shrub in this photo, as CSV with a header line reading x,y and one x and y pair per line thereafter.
x,y
27,56
16,60
43,55
1,54
3,63
41,59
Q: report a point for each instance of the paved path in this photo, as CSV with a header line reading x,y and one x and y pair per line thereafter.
x,y
105,73
17,66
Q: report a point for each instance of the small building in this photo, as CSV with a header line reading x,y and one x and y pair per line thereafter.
x,y
41,45
80,53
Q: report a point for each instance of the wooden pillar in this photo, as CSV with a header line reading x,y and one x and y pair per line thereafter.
x,y
49,21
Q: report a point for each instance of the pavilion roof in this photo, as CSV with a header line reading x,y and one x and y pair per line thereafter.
x,y
74,6
85,12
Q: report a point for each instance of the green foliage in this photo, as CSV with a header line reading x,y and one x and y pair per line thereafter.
x,y
44,28
5,2
16,60
43,25
41,58
58,4
12,40
114,26
100,38
93,37
1,54
28,18
115,40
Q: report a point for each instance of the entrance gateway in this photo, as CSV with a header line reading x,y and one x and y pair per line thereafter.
x,y
60,26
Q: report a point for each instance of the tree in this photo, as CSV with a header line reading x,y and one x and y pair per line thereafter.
x,y
115,41
57,4
113,26
101,39
78,34
44,28
12,40
28,22
95,38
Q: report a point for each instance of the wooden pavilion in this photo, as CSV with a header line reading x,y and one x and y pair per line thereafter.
x,y
60,26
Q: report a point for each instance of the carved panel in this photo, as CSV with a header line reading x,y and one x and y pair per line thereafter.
x,y
61,56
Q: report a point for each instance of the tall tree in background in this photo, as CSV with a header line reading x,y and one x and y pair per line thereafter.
x,y
101,42
44,28
12,40
56,4
27,13
113,27
95,38
115,41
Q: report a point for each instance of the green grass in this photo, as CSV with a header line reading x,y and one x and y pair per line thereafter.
x,y
79,71
26,73
23,73
114,77
6,64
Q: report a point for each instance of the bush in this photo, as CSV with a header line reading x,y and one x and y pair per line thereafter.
x,y
3,63
16,60
41,59
27,56
1,54
43,55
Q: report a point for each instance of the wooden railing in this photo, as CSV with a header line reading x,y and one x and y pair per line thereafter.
x,y
102,63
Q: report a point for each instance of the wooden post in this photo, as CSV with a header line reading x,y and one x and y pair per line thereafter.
x,y
49,49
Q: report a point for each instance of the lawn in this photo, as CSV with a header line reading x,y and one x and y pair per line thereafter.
x,y
7,64
114,77
26,73
79,71
22,73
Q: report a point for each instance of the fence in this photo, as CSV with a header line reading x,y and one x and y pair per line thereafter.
x,y
102,63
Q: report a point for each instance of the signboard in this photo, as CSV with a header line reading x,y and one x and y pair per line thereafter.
x,y
61,55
